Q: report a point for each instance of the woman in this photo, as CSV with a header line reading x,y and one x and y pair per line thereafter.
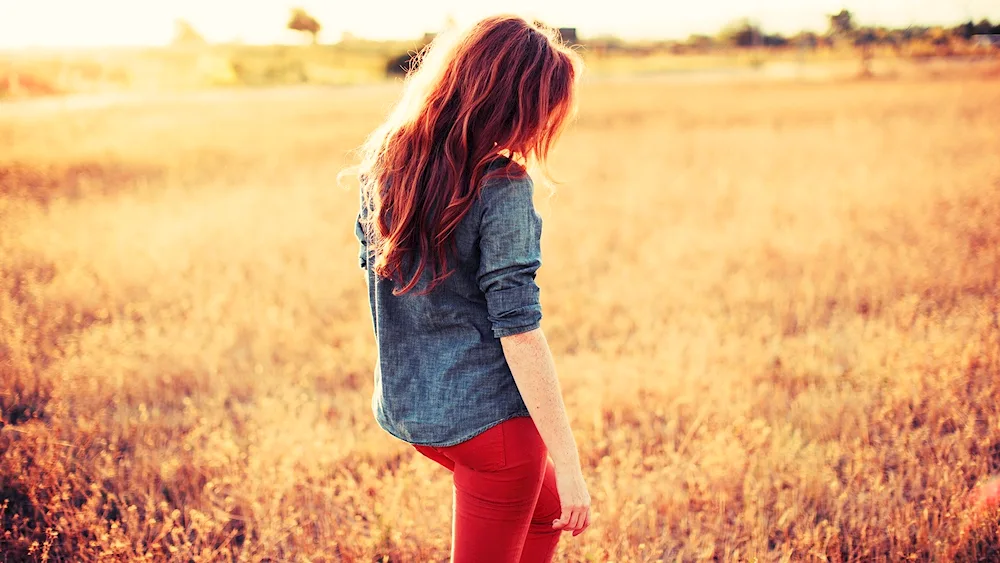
x,y
450,241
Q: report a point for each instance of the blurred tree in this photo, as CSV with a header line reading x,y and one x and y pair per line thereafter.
x,y
939,36
805,40
305,23
700,42
918,32
897,39
843,28
984,27
405,63
841,25
741,33
963,31
606,44
774,40
186,34
865,39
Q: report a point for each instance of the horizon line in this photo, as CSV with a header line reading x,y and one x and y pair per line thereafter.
x,y
416,39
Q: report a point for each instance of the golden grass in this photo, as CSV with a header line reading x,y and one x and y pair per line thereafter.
x,y
773,307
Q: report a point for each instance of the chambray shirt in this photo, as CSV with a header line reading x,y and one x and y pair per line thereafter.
x,y
441,376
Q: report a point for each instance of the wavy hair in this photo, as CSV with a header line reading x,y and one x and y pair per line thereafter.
x,y
504,87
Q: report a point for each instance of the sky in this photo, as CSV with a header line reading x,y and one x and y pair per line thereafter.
x,y
91,23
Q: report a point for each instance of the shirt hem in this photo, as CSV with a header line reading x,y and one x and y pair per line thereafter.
x,y
473,434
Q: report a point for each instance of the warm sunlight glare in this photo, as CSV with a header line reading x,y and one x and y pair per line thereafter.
x,y
54,23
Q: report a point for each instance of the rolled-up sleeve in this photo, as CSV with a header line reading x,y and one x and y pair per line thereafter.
x,y
510,255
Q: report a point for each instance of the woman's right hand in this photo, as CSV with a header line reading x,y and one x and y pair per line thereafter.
x,y
575,501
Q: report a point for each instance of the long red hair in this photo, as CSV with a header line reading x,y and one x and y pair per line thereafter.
x,y
504,87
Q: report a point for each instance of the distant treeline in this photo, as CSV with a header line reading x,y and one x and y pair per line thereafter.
x,y
843,30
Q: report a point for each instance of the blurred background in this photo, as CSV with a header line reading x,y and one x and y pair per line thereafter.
x,y
53,46
770,280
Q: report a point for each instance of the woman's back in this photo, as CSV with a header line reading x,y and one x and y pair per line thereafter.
x,y
442,376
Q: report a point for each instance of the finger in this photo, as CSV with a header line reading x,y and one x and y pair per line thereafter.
x,y
583,525
567,521
575,519
563,519
586,524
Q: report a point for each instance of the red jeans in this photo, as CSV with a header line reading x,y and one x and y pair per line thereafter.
x,y
505,495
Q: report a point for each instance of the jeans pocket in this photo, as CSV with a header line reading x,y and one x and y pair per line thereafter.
x,y
483,452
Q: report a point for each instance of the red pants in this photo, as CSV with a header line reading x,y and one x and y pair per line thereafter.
x,y
505,495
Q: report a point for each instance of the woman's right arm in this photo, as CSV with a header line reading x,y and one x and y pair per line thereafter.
x,y
534,371
510,254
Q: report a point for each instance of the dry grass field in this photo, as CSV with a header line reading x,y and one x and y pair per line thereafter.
x,y
774,309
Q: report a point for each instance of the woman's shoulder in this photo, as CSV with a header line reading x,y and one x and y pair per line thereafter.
x,y
507,194
503,177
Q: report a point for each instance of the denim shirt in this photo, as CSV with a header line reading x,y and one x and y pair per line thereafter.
x,y
441,376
